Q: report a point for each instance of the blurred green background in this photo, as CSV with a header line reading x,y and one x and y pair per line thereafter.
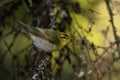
x,y
88,28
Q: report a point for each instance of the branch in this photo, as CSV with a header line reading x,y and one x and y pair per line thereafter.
x,y
113,25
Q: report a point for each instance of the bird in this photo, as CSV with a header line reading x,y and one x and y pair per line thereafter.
x,y
46,40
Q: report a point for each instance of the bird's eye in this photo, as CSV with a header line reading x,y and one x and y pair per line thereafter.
x,y
64,36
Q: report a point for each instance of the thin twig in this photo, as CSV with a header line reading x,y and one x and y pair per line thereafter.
x,y
112,23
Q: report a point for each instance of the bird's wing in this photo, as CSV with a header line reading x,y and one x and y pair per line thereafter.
x,y
47,34
32,30
50,35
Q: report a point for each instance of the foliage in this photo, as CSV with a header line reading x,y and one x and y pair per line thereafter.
x,y
92,54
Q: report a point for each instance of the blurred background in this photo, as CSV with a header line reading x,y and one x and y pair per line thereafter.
x,y
92,54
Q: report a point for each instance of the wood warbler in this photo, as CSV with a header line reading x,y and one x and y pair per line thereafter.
x,y
47,40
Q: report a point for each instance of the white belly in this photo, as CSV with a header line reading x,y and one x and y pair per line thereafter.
x,y
42,45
